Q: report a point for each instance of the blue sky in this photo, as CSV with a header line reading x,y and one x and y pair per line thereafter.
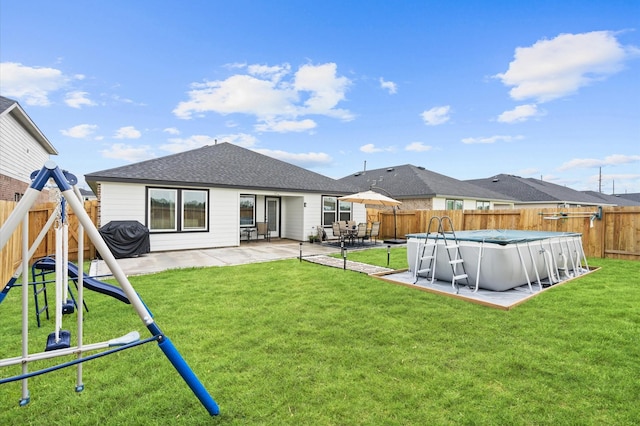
x,y
469,89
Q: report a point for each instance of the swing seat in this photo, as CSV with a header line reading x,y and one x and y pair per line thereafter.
x,y
64,341
68,307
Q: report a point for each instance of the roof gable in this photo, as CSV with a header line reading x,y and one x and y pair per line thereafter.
x,y
222,165
409,181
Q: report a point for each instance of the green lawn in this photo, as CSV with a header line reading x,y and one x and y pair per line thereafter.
x,y
292,342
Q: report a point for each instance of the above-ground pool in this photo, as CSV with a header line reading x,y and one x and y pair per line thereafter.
x,y
496,260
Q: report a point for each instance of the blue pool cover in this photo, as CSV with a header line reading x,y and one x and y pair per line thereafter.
x,y
500,236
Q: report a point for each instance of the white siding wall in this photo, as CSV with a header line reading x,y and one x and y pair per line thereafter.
x,y
21,153
359,213
312,214
225,217
292,218
121,201
128,202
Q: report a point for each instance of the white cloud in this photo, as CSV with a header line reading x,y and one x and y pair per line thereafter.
x,y
176,145
418,147
284,126
326,90
241,139
78,99
120,151
274,73
266,94
551,69
519,114
390,86
127,132
436,115
172,131
371,148
242,94
587,163
81,131
492,139
308,159
33,85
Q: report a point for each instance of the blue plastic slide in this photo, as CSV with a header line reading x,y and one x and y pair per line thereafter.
x,y
93,284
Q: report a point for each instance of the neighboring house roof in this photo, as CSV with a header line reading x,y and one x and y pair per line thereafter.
x,y
409,181
222,165
529,190
9,106
618,200
635,196
87,193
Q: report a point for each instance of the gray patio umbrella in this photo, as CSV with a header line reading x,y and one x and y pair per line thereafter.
x,y
372,197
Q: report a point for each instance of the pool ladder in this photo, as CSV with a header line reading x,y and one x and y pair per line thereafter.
x,y
429,254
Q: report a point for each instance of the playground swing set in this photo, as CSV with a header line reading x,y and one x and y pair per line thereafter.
x,y
59,341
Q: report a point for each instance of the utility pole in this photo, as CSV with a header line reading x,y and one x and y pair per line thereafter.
x,y
600,181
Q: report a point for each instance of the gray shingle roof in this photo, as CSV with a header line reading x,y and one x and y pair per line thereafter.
x,y
223,165
618,200
535,190
635,196
6,103
409,181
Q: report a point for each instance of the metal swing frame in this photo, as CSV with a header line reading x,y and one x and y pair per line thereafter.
x,y
66,184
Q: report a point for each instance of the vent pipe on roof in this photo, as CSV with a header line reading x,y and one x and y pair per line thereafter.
x,y
365,166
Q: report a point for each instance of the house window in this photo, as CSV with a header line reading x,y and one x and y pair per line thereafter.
x,y
334,210
345,210
247,210
194,210
483,205
454,204
163,213
162,209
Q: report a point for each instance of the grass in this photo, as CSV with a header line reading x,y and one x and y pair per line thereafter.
x,y
291,342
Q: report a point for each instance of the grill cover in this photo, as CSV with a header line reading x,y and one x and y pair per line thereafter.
x,y
126,238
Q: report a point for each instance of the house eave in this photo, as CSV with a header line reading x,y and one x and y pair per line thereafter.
x,y
94,180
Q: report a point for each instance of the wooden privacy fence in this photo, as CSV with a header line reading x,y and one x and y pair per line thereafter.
x,y
11,255
616,235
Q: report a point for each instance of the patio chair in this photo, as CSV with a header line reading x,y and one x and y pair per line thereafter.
x,y
263,229
361,233
375,231
335,227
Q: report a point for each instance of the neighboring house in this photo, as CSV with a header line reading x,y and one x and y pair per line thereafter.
x,y
206,197
537,193
419,188
23,149
617,200
634,196
87,194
